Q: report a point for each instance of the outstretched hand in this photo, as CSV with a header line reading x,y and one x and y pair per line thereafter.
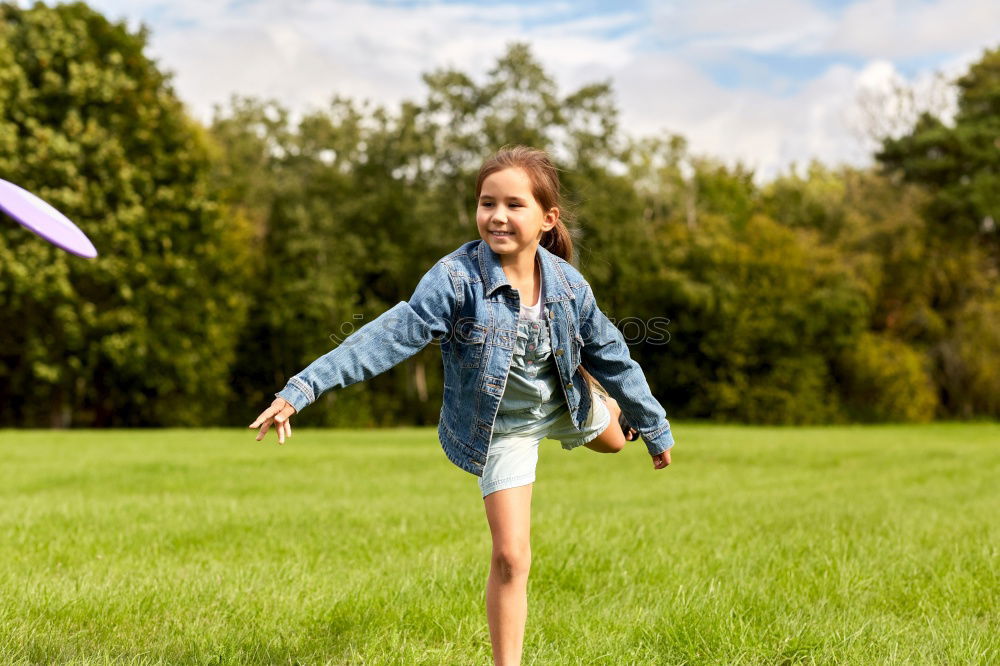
x,y
661,460
278,413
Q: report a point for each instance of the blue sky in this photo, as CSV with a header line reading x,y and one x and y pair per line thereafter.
x,y
768,83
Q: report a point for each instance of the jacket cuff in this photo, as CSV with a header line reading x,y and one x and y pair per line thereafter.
x,y
658,440
296,393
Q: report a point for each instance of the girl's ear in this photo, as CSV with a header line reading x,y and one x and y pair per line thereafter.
x,y
551,218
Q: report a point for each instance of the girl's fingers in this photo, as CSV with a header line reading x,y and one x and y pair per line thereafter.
x,y
278,417
284,429
263,415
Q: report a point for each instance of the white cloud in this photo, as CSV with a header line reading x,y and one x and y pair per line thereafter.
x,y
891,29
304,55
780,25
761,131
304,52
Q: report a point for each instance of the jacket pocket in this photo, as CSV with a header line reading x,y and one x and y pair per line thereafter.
x,y
471,340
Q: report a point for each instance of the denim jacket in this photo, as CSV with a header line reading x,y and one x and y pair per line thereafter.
x,y
466,302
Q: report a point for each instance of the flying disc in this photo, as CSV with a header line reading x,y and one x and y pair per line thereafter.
x,y
40,217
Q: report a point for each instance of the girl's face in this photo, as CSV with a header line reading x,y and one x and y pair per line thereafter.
x,y
507,205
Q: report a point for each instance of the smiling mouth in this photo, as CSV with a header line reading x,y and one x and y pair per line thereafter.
x,y
501,234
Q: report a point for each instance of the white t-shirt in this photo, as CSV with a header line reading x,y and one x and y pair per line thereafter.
x,y
532,312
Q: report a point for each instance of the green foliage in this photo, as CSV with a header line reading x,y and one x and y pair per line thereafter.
x,y
517,103
143,334
884,379
959,168
233,256
351,203
959,164
761,313
968,358
769,292
345,225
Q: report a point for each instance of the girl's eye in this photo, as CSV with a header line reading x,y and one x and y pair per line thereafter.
x,y
486,204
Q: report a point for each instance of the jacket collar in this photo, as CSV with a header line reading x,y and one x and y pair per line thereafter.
x,y
554,285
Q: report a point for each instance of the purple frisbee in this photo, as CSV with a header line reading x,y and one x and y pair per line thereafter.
x,y
44,220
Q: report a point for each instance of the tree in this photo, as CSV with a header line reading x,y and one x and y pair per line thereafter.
x,y
142,335
959,168
354,203
960,165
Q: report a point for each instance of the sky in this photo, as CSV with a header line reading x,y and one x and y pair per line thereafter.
x,y
767,83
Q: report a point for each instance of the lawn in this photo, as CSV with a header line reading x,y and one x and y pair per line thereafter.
x,y
849,545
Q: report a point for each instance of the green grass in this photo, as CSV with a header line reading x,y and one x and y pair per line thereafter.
x,y
849,545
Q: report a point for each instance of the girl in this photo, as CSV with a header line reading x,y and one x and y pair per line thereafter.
x,y
518,325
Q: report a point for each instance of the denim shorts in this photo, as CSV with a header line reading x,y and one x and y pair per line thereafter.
x,y
513,452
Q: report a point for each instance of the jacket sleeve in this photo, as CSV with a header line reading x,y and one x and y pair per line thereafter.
x,y
606,357
391,338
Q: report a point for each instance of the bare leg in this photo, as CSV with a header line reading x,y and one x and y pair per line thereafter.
x,y
509,514
612,440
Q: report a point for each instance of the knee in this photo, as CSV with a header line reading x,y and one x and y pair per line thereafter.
x,y
613,444
511,562
613,438
606,444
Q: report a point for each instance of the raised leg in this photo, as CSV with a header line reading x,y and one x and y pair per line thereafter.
x,y
509,514
612,440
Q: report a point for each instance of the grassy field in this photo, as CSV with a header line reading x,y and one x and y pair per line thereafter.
x,y
849,545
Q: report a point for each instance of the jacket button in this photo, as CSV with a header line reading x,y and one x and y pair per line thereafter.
x,y
559,352
570,385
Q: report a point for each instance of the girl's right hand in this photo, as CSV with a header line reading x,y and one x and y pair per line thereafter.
x,y
661,460
279,412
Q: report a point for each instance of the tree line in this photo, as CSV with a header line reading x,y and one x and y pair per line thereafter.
x,y
234,254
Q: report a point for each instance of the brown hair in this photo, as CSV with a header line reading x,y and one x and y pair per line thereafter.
x,y
544,177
